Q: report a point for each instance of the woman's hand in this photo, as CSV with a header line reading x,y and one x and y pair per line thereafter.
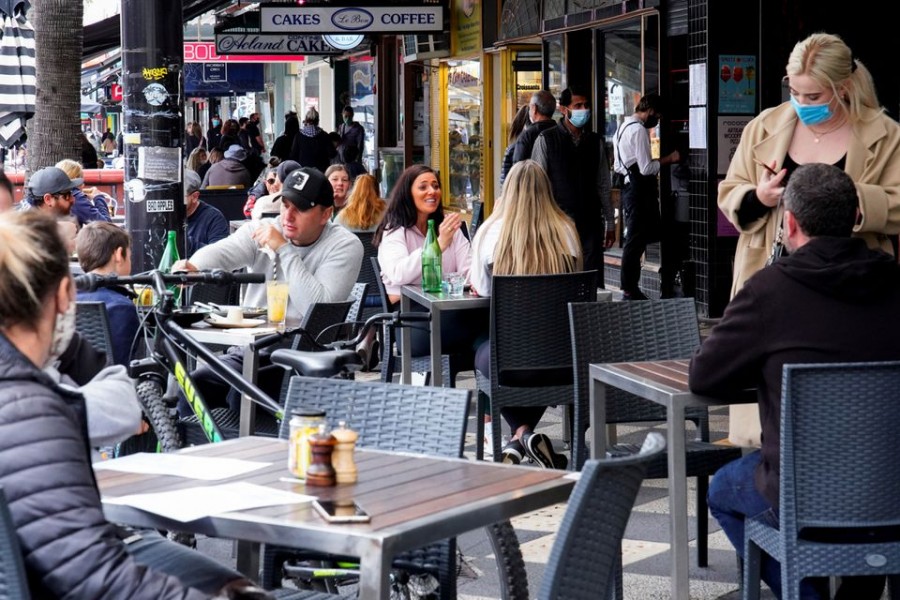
x,y
770,188
449,226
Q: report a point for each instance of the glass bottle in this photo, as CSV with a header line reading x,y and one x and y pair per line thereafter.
x,y
431,261
170,257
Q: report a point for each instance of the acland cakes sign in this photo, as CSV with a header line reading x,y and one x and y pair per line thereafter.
x,y
369,19
256,43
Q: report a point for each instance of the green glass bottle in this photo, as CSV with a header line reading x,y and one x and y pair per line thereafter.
x,y
431,261
170,257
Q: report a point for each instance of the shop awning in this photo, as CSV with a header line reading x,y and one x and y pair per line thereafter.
x,y
104,35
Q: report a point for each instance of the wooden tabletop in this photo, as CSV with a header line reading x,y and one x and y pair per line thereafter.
x,y
401,492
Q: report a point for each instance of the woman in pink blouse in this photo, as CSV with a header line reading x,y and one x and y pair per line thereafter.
x,y
415,199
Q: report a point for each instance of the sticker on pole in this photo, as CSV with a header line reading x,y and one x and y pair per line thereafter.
x,y
160,206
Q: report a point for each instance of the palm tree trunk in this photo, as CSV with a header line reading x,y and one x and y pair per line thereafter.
x,y
54,133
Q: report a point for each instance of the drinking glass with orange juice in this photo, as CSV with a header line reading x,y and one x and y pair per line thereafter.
x,y
276,300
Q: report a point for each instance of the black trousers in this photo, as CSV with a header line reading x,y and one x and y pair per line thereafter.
x,y
640,209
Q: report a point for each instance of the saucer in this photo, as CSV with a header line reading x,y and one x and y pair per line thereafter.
x,y
225,324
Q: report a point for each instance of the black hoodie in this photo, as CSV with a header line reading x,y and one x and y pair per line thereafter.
x,y
833,300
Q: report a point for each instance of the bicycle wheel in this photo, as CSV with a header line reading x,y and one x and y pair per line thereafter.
x,y
489,559
163,435
490,562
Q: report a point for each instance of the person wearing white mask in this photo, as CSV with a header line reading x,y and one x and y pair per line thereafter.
x,y
68,546
575,160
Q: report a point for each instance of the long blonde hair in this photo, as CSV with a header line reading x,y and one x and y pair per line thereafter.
x,y
364,206
536,236
73,169
826,59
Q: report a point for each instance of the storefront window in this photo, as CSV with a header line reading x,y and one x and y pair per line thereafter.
x,y
556,69
527,67
465,136
362,100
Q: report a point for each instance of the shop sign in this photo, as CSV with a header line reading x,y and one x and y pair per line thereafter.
x,y
369,19
205,52
255,43
465,32
115,92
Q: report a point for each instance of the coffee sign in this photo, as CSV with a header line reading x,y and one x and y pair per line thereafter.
x,y
369,19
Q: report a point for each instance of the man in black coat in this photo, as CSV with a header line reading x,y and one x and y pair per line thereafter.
x,y
540,113
830,300
575,160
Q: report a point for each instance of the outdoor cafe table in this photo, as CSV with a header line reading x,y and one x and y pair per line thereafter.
x,y
214,336
413,501
436,303
664,382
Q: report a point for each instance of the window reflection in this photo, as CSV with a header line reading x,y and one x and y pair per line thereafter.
x,y
465,139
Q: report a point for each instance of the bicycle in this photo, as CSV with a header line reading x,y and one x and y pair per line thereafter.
x,y
164,372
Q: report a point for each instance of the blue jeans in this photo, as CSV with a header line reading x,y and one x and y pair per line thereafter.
x,y
733,498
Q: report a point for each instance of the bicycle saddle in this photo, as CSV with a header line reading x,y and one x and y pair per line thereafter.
x,y
318,364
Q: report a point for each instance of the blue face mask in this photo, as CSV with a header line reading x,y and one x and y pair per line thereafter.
x,y
812,114
579,117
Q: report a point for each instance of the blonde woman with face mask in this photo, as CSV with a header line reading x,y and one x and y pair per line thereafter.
x,y
61,507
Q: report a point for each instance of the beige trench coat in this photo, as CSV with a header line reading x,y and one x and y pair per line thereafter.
x,y
873,161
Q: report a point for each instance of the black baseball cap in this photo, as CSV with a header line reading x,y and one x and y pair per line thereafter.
x,y
307,187
51,180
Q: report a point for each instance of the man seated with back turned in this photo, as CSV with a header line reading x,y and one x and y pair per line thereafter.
x,y
830,300
319,260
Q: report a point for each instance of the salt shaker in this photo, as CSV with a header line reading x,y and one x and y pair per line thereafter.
x,y
342,459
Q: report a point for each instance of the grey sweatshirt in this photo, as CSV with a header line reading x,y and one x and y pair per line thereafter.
x,y
321,272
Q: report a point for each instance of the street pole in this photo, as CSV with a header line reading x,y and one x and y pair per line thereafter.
x,y
153,126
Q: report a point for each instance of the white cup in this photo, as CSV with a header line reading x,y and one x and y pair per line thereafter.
x,y
235,315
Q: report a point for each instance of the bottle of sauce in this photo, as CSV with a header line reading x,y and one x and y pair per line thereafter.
x,y
304,423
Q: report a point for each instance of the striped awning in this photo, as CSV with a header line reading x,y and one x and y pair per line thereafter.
x,y
17,72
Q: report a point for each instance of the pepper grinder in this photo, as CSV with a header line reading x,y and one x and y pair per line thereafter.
x,y
320,472
342,459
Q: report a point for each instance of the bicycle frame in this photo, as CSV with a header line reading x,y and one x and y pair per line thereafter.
x,y
169,358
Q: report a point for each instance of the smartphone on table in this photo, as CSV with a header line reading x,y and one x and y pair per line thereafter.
x,y
341,511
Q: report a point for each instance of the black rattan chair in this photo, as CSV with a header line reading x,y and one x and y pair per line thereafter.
x,y
92,322
604,332
531,350
586,558
387,416
391,360
366,273
13,582
838,509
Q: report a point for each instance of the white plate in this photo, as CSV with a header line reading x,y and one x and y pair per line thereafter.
x,y
250,312
223,324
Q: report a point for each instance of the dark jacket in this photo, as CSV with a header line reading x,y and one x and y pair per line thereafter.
x,y
70,549
227,172
86,210
525,141
573,172
833,300
313,150
206,226
123,317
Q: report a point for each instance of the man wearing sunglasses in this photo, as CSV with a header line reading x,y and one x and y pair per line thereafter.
x,y
50,190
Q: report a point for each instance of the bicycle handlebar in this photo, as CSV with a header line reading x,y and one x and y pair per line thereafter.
x,y
91,281
396,319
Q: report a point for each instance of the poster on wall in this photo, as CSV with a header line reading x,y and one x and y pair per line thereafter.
x,y
728,134
737,91
465,30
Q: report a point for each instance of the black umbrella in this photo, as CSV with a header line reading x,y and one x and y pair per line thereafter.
x,y
17,70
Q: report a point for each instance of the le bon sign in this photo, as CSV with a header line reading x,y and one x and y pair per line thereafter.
x,y
371,19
